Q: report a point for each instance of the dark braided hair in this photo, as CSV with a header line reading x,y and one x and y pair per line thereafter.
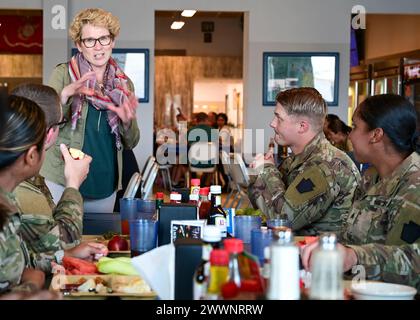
x,y
396,116
23,125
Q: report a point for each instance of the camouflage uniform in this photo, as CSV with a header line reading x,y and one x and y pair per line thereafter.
x,y
383,226
14,254
44,226
12,258
345,146
314,188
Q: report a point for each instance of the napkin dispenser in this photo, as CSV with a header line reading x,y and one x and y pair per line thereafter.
x,y
172,211
188,254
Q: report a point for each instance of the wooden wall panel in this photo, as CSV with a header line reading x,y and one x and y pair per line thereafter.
x,y
176,75
20,65
391,34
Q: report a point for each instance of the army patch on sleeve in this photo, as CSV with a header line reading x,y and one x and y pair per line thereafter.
x,y
308,185
410,232
305,185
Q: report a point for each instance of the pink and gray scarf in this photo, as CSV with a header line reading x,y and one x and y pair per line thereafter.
x,y
114,91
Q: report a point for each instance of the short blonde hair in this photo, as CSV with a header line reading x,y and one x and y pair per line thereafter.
x,y
97,17
304,101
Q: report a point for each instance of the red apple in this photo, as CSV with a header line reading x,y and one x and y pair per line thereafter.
x,y
117,244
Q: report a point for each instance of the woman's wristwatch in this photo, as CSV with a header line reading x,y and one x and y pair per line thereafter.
x,y
59,255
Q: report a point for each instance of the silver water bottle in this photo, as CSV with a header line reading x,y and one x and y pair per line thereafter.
x,y
327,270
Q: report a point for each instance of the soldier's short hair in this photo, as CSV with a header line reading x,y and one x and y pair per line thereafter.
x,y
304,101
45,97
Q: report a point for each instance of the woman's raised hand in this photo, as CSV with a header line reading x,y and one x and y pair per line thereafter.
x,y
78,87
126,111
75,171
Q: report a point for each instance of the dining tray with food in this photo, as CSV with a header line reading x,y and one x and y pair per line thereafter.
x,y
101,286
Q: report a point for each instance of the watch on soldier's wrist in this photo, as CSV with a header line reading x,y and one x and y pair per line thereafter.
x,y
59,255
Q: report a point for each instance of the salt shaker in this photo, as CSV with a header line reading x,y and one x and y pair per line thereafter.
x,y
327,270
284,268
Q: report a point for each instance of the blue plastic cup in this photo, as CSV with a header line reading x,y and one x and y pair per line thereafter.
x,y
143,236
260,238
128,211
244,225
146,208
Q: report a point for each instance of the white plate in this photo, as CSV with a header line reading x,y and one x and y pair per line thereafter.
x,y
373,290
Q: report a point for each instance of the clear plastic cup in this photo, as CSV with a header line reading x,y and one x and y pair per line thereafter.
x,y
279,224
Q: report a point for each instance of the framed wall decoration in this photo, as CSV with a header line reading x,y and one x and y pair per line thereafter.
x,y
286,70
135,64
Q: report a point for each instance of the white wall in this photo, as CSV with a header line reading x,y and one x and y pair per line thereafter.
x,y
274,25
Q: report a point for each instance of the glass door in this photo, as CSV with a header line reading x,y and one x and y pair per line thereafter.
x,y
379,86
362,90
392,85
351,101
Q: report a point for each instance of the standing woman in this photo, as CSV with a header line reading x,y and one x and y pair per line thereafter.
x,y
225,136
98,100
382,230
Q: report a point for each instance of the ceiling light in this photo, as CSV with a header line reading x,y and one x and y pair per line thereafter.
x,y
177,25
188,13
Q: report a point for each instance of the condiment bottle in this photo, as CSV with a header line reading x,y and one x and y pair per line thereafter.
x,y
219,271
284,268
217,215
159,201
211,239
195,186
204,203
175,197
193,199
327,270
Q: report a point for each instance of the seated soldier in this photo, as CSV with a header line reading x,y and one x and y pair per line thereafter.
x,y
382,231
315,186
22,153
46,226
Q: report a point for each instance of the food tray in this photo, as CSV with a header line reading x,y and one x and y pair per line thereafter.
x,y
123,286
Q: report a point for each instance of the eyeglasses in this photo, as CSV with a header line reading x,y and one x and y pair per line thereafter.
x,y
60,124
91,42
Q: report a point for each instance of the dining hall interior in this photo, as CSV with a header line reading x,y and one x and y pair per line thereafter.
x,y
220,67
